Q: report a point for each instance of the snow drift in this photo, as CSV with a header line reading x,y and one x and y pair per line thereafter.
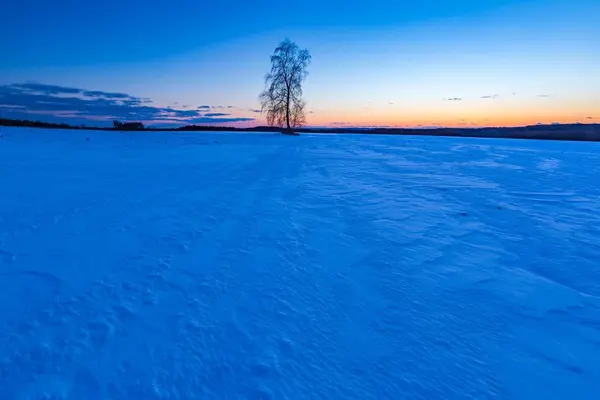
x,y
160,265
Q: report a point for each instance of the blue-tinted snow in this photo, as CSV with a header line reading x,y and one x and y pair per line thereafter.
x,y
229,266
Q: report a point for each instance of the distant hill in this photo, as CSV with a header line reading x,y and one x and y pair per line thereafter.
x,y
579,132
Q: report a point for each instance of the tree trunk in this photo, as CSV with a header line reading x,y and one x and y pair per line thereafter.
x,y
287,111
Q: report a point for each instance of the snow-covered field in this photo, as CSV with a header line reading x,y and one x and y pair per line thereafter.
x,y
258,266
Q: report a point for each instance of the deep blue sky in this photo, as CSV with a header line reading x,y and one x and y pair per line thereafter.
x,y
374,62
67,32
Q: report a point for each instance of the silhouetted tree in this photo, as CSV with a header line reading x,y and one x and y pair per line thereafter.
x,y
133,126
128,126
282,98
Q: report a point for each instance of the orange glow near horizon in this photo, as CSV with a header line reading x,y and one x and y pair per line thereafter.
x,y
458,118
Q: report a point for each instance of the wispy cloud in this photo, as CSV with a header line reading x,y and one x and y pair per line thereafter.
x,y
490,96
107,95
32,100
454,99
215,115
39,88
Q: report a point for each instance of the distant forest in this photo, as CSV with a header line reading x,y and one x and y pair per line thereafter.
x,y
579,132
127,126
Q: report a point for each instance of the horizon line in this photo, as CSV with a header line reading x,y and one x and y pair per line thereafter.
x,y
149,126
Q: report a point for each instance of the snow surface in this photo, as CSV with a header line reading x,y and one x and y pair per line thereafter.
x,y
230,266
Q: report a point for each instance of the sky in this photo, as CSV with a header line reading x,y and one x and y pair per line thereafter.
x,y
374,63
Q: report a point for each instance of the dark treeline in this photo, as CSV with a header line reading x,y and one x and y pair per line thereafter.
x,y
39,124
128,126
581,132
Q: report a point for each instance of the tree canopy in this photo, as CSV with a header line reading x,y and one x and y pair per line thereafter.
x,y
281,100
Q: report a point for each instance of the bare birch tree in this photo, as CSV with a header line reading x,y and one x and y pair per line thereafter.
x,y
282,98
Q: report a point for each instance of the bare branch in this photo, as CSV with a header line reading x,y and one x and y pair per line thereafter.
x,y
281,100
